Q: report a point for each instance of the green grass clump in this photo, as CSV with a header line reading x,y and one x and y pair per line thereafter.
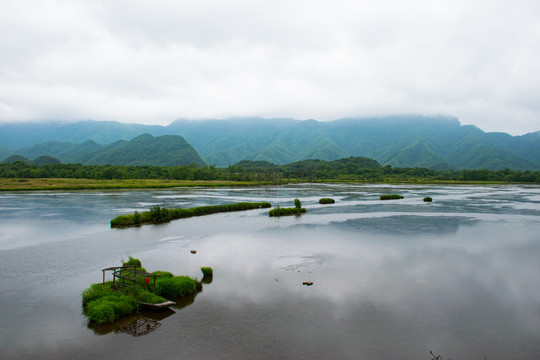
x,y
391,197
207,271
94,292
177,286
428,199
279,211
326,201
150,297
110,306
100,312
163,274
158,214
296,210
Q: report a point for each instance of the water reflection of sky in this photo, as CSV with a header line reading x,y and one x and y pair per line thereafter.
x,y
391,279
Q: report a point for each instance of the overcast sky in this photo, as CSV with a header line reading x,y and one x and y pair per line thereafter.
x,y
155,61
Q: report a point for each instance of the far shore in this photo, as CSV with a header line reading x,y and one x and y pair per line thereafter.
x,y
29,184
19,184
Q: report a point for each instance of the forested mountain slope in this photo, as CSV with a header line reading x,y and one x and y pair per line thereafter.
x,y
436,142
166,150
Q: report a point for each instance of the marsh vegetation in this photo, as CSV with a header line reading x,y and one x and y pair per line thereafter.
x,y
103,303
391,197
296,210
158,214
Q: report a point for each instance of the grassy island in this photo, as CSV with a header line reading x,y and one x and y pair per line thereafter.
x,y
296,210
326,201
158,214
103,303
391,197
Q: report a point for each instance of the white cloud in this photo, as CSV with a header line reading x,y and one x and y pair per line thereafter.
x,y
153,62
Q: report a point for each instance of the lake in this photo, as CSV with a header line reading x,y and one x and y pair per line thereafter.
x,y
391,279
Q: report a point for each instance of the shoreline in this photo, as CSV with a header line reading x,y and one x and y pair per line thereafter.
x,y
34,184
31,184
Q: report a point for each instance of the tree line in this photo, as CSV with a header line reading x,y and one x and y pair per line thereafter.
x,y
310,170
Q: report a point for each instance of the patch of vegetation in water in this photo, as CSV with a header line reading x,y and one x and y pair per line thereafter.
x,y
391,197
103,305
326,201
296,210
176,286
207,271
428,199
158,214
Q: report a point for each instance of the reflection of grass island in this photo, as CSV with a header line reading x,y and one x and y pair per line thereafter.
x,y
326,201
106,302
158,215
296,210
391,197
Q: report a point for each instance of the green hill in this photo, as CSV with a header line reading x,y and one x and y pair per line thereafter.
x,y
436,142
166,150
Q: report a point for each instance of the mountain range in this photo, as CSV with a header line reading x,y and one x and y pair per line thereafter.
x,y
437,142
165,150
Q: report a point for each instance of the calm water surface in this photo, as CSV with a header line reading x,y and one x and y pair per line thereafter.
x,y
392,279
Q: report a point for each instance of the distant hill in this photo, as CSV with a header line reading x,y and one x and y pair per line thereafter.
x,y
400,141
436,142
18,135
167,150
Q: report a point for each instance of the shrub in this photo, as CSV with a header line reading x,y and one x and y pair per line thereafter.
x,y
133,261
391,197
207,272
136,218
159,214
326,201
297,204
428,199
176,286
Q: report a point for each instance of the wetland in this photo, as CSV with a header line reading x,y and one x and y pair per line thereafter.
x,y
390,279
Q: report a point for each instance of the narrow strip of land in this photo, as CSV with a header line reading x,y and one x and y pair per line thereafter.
x,y
20,184
158,215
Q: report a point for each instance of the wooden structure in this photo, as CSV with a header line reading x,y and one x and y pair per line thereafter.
x,y
125,277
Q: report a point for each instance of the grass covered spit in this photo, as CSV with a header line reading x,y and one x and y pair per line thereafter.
x,y
158,214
